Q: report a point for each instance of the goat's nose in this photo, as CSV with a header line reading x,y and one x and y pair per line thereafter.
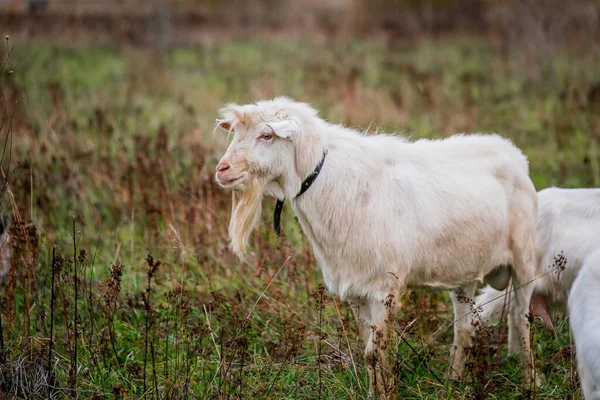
x,y
222,166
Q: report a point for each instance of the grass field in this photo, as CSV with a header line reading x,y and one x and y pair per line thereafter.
x,y
116,154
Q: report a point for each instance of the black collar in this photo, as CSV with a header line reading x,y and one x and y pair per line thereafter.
x,y
305,185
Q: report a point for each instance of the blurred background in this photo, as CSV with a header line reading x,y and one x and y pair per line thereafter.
x,y
107,114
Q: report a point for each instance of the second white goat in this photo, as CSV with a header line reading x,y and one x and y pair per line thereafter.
x,y
568,232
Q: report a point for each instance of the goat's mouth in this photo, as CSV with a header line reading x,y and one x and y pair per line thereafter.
x,y
228,182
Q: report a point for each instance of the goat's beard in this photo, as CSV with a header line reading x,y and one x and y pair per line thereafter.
x,y
245,213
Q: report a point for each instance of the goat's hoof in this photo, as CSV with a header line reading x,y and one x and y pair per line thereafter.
x,y
538,379
454,376
533,380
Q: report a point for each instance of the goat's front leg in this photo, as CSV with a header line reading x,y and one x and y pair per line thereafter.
x,y
375,323
462,300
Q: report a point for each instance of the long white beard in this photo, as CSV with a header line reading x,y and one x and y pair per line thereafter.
x,y
246,209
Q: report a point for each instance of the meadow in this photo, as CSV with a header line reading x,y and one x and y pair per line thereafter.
x,y
121,284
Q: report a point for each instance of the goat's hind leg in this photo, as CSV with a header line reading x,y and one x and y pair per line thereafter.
x,y
523,275
462,300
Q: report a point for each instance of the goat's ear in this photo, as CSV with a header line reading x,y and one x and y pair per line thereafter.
x,y
286,129
223,124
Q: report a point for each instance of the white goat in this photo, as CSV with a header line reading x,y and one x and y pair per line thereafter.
x,y
584,304
384,213
568,225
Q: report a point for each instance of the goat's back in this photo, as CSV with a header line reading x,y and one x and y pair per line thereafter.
x,y
438,213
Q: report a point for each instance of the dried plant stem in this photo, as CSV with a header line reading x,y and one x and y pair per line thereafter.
x,y
147,328
3,375
146,334
90,302
285,361
422,360
337,309
268,286
52,271
166,363
155,380
320,294
2,356
212,336
242,374
74,355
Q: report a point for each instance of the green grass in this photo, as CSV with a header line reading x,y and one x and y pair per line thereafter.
x,y
123,141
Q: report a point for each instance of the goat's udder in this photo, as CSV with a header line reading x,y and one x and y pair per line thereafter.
x,y
539,304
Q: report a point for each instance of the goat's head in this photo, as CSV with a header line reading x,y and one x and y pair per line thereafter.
x,y
262,157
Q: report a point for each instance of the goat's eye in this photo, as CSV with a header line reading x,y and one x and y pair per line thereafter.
x,y
266,136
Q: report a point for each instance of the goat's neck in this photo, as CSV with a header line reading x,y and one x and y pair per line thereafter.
x,y
307,156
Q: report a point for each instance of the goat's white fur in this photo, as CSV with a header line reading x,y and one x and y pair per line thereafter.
x,y
584,304
385,213
568,222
